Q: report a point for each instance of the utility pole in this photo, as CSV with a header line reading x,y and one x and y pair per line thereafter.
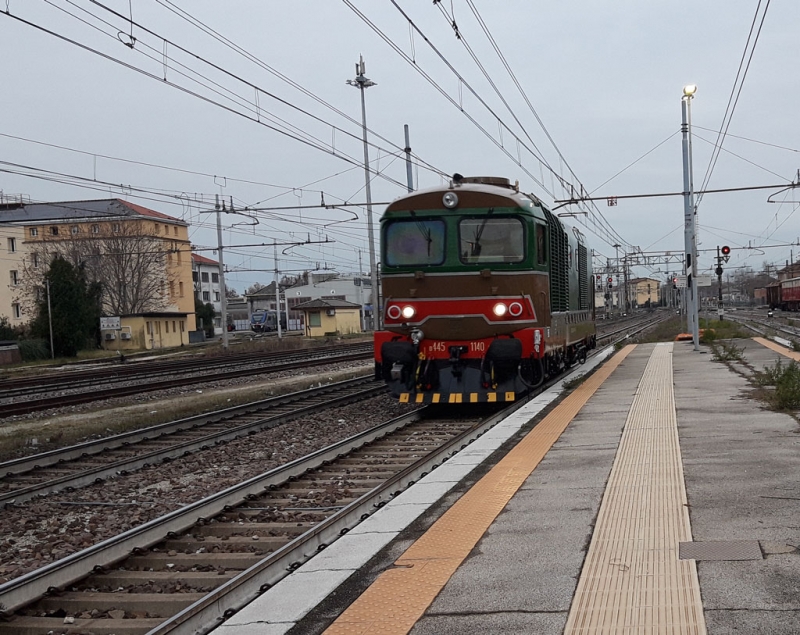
x,y
690,238
50,320
407,150
222,290
616,270
278,291
362,83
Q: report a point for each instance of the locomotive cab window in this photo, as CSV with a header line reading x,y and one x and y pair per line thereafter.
x,y
415,242
491,239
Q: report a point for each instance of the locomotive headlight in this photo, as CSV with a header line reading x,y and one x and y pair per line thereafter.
x,y
394,312
500,309
408,312
450,200
515,309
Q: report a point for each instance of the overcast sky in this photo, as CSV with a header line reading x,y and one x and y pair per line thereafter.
x,y
605,78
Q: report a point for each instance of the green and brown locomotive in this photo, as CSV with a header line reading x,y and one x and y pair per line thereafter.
x,y
486,294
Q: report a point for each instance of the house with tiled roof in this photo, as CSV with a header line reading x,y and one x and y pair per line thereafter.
x,y
205,279
141,257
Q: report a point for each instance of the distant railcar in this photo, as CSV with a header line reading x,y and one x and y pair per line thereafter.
x,y
266,321
486,294
790,294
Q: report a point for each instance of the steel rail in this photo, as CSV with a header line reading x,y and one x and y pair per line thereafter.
x,y
130,464
121,391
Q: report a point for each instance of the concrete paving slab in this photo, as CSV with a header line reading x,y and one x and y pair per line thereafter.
x,y
742,473
354,551
289,601
471,624
527,563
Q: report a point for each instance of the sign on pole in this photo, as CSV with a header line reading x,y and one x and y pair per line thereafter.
x,y
704,281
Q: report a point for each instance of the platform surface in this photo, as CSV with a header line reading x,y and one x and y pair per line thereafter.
x,y
668,502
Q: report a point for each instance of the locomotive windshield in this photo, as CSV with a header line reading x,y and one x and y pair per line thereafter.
x,y
414,242
491,239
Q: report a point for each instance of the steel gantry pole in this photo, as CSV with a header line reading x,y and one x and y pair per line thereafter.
x,y
362,83
690,239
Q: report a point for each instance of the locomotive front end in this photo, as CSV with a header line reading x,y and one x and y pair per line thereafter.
x,y
466,294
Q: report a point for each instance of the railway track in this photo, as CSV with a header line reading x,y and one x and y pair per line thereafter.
x,y
94,461
186,571
20,396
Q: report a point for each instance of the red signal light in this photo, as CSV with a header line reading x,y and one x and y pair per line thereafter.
x,y
610,279
726,250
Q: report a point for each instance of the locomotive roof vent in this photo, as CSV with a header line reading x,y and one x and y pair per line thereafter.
x,y
497,181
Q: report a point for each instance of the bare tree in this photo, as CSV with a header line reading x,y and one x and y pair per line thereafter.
x,y
133,267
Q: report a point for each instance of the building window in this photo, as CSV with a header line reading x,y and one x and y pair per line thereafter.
x,y
158,228
14,278
95,229
54,231
314,319
180,289
206,296
183,327
204,276
35,260
194,276
216,296
174,330
215,277
178,252
149,328
174,231
34,232
115,228
16,311
12,245
171,288
75,229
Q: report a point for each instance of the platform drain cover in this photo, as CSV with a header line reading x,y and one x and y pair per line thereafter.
x,y
720,550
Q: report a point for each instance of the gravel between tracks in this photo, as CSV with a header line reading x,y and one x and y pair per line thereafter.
x,y
41,531
44,530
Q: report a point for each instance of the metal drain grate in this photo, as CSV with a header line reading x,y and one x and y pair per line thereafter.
x,y
720,550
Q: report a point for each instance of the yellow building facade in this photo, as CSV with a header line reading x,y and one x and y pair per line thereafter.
x,y
141,257
330,317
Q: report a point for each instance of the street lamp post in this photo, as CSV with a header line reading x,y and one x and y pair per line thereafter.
x,y
362,83
690,239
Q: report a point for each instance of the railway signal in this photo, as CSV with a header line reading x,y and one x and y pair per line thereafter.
x,y
610,281
723,255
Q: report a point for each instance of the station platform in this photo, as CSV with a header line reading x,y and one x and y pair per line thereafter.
x,y
658,496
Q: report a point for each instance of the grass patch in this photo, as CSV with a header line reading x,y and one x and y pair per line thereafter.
x,y
727,352
723,329
786,383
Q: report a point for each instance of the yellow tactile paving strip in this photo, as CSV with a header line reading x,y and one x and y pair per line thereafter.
x,y
632,580
400,595
778,348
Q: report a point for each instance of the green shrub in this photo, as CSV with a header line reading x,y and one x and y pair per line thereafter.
x,y
787,388
31,350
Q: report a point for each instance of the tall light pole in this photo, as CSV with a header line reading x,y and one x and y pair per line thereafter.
x,y
362,83
690,239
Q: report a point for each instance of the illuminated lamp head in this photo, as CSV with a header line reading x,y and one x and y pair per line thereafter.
x,y
499,309
409,312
